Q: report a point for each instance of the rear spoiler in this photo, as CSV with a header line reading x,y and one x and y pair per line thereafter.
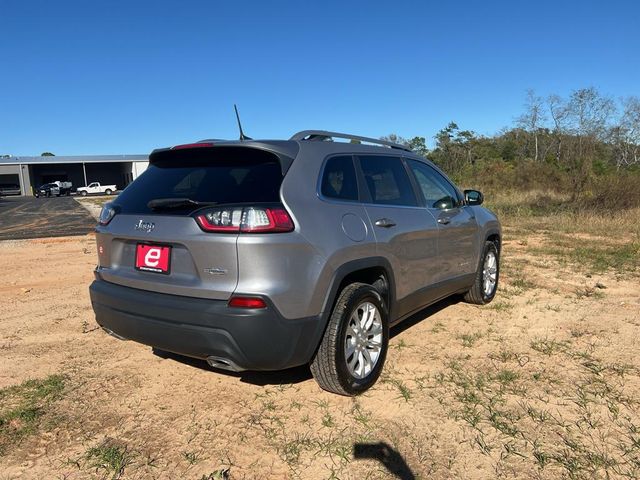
x,y
284,150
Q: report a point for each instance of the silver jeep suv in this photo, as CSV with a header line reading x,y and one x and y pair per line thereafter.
x,y
269,254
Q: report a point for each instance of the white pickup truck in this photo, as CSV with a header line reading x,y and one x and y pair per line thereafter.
x,y
95,187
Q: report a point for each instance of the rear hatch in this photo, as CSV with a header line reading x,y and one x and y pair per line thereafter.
x,y
160,237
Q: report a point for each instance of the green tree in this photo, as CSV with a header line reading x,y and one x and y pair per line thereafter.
x,y
47,154
419,146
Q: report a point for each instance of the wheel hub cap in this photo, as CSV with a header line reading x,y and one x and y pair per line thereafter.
x,y
363,340
489,273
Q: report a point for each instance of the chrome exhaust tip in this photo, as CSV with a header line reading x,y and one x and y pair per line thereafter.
x,y
113,334
223,364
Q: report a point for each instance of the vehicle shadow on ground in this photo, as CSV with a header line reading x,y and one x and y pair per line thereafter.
x,y
281,377
387,456
302,373
424,314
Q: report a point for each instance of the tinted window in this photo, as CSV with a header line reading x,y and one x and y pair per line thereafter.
x,y
436,191
223,176
339,179
387,181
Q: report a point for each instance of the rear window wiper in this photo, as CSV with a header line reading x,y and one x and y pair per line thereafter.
x,y
166,203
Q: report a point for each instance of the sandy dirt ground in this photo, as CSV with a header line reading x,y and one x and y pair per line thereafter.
x,y
542,383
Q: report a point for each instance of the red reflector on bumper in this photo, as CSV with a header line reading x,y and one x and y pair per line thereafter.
x,y
247,302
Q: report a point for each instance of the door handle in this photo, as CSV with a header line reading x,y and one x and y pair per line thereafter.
x,y
385,223
444,220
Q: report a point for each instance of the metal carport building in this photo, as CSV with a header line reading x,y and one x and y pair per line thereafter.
x,y
30,172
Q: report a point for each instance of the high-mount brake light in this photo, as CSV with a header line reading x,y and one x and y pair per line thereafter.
x,y
245,219
193,145
247,302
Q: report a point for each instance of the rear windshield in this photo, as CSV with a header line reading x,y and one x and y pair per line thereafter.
x,y
222,176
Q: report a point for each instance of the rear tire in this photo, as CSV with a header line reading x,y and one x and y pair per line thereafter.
x,y
485,284
354,347
83,193
108,191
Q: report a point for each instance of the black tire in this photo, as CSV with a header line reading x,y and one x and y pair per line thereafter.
x,y
477,294
329,366
108,191
83,193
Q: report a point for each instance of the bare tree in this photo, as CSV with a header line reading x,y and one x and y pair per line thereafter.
x,y
558,111
533,118
586,116
625,136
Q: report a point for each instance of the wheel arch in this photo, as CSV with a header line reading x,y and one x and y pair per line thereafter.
x,y
494,236
376,271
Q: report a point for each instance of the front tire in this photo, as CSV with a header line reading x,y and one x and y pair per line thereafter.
x,y
354,347
485,284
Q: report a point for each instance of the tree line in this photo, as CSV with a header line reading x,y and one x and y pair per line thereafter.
x,y
564,142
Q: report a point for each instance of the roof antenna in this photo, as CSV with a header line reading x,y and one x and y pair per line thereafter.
x,y
243,137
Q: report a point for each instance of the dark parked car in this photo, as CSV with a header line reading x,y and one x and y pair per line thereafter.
x,y
54,189
268,254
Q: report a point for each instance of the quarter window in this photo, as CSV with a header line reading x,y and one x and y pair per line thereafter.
x,y
437,192
339,179
387,181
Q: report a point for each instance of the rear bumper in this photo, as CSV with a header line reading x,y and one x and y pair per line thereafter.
x,y
249,339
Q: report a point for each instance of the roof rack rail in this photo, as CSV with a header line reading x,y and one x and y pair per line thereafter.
x,y
323,135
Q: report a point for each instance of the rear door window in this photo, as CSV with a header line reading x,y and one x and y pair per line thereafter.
x,y
222,176
339,179
387,181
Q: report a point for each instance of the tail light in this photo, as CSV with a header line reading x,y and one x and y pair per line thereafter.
x,y
106,214
270,219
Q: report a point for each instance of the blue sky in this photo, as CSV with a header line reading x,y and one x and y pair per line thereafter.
x,y
106,77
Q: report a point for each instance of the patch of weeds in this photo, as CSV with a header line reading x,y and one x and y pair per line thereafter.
x,y
404,391
327,420
503,356
23,406
481,443
361,416
542,458
538,416
191,457
506,377
291,450
522,283
548,346
503,421
500,306
583,292
469,339
110,456
438,327
269,405
577,332
222,474
598,257
621,369
400,345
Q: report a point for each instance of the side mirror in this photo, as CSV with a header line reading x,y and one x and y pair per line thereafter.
x,y
473,197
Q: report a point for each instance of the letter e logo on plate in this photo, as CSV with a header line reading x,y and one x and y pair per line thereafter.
x,y
153,258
